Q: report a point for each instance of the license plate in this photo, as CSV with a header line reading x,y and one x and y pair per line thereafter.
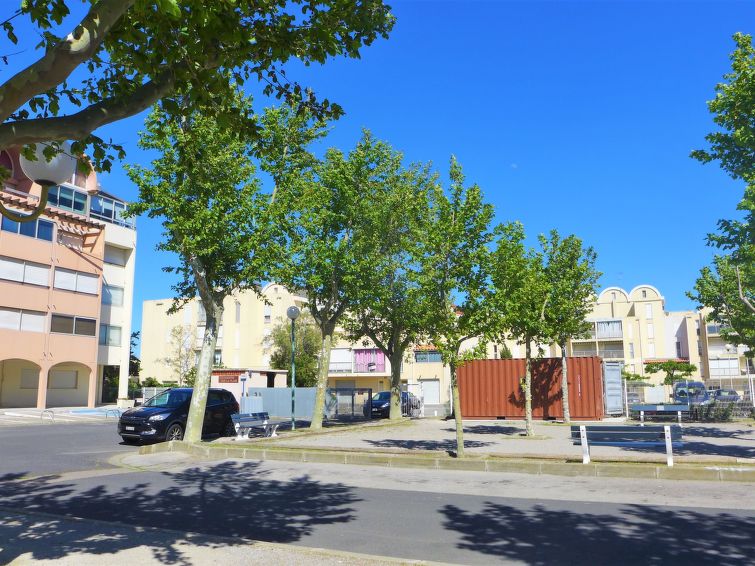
x,y
130,428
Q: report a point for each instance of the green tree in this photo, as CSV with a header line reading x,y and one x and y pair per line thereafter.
x,y
326,255
122,56
718,289
521,293
454,278
674,370
134,363
573,281
307,349
733,146
215,218
392,312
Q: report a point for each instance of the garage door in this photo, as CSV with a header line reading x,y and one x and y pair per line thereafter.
x,y
431,391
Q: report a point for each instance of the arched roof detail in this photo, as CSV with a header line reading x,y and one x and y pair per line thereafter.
x,y
606,292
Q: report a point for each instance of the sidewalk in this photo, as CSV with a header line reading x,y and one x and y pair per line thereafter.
x,y
720,452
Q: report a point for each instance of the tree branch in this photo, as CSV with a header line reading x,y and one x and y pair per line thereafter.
x,y
59,62
742,295
78,126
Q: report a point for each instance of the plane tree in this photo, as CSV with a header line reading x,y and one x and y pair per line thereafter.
x,y
101,61
203,186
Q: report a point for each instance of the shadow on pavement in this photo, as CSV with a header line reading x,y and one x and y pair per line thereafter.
x,y
228,499
639,535
490,429
438,445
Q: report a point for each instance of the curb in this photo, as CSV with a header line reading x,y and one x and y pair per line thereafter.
x,y
560,467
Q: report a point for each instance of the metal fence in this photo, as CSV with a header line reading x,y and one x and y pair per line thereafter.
x,y
149,392
340,403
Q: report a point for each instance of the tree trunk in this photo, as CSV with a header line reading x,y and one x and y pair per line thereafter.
x,y
195,421
396,385
457,412
528,389
564,383
322,378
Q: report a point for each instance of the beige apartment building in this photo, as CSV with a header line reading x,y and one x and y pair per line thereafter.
x,y
66,293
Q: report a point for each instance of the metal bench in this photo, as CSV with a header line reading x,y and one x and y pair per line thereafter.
x,y
244,423
669,436
660,410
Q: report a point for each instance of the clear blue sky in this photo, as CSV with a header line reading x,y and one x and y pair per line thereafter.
x,y
572,115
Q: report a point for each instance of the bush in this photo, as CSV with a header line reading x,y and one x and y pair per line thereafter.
x,y
713,412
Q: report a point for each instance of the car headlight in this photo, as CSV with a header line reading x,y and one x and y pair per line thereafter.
x,y
384,405
159,417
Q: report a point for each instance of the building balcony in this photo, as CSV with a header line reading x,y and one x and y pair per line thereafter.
x,y
340,367
611,354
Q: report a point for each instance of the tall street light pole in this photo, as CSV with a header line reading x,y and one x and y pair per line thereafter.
x,y
293,314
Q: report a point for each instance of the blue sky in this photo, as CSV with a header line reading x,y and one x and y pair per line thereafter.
x,y
572,115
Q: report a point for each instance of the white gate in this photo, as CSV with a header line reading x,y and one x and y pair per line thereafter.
x,y
431,391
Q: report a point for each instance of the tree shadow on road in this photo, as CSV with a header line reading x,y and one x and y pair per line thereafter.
x,y
229,499
490,429
426,445
639,535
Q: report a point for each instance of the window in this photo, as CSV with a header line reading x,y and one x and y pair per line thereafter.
x,y
28,321
40,228
649,311
24,271
644,294
110,335
63,379
238,312
369,360
631,350
651,330
651,350
268,313
217,359
699,348
608,329
678,349
215,398
63,324
29,378
116,256
201,313
110,210
427,356
112,295
76,281
68,199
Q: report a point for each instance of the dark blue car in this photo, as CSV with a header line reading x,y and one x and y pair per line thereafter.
x,y
380,405
163,417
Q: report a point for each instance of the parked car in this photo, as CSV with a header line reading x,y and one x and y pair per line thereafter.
x,y
163,417
725,396
380,404
633,397
691,393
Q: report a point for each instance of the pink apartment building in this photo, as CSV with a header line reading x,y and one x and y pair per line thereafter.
x,y
66,292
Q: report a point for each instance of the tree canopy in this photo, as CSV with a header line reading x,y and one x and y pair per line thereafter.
x,y
675,370
307,349
733,146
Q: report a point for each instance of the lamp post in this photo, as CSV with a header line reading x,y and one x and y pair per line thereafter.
x,y
293,314
45,173
243,377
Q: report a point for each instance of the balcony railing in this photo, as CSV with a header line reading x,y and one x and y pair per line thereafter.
x,y
370,367
584,353
611,354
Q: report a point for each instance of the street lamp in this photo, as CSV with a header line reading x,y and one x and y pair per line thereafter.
x,y
45,173
293,314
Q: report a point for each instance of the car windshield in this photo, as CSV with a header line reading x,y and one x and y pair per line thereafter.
x,y
168,399
382,396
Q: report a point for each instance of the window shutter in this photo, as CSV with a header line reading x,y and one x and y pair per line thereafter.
x,y
32,321
87,283
37,274
11,269
65,279
10,319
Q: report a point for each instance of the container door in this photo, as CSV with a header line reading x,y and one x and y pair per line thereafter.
x,y
612,386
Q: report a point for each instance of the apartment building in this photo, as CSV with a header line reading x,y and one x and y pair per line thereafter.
x,y
723,365
66,293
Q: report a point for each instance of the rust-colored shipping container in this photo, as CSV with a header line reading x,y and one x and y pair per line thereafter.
x,y
491,389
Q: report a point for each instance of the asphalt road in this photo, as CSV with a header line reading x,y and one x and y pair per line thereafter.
x,y
459,517
52,449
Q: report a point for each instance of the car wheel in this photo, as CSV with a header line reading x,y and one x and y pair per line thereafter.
x,y
175,432
229,429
